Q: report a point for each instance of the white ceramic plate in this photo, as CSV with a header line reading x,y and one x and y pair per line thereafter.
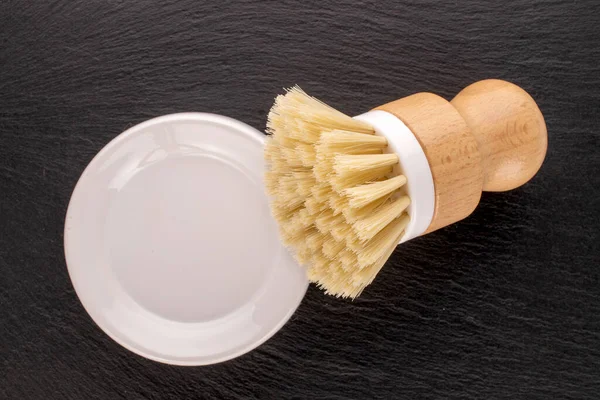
x,y
170,244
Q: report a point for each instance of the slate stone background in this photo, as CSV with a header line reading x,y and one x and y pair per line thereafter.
x,y
504,305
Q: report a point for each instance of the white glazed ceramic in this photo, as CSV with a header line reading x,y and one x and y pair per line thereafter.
x,y
171,246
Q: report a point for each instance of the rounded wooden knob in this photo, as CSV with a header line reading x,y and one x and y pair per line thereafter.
x,y
509,129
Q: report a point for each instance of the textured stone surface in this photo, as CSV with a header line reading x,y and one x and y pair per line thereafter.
x,y
505,304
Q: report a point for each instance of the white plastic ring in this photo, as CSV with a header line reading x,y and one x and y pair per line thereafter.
x,y
413,164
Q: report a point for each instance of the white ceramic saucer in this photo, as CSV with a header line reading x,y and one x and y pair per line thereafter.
x,y
170,244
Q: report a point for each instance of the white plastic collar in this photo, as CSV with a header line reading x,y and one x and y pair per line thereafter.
x,y
413,165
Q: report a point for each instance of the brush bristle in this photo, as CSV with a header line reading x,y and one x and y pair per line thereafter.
x,y
363,195
339,204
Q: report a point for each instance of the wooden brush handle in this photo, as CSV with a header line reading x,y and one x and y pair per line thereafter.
x,y
509,129
491,137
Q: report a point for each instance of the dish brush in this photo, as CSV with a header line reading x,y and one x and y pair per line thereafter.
x,y
346,191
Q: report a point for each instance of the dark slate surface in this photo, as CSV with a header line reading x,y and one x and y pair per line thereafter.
x,y
505,304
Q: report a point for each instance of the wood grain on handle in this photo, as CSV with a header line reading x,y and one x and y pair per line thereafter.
x,y
509,129
492,137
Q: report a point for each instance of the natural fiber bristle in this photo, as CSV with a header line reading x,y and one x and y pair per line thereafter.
x,y
304,181
325,221
341,231
379,244
354,214
314,239
293,227
271,149
348,259
305,218
320,261
291,157
303,256
334,192
362,195
303,118
323,168
321,192
343,182
348,142
315,206
337,203
332,247
292,239
368,227
271,182
306,153
344,165
353,242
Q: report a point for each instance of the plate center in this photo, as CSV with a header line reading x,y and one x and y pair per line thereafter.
x,y
169,236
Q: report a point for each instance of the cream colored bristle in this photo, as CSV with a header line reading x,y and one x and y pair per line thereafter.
x,y
323,219
362,195
293,202
313,273
327,221
345,165
305,218
327,121
333,192
282,213
305,181
287,198
337,203
279,164
292,239
318,267
321,192
271,149
333,279
314,206
308,132
291,157
303,257
301,220
332,247
336,273
333,287
354,214
353,242
365,276
348,142
275,122
274,156
307,154
321,262
336,142
304,175
342,182
314,240
341,231
288,142
271,182
293,227
348,259
323,168
303,118
368,227
286,239
376,247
